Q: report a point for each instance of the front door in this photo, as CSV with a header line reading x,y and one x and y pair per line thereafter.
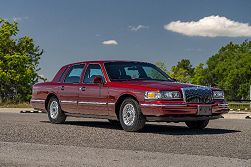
x,y
69,89
93,97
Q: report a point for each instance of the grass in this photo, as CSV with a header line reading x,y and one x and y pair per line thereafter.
x,y
239,106
12,105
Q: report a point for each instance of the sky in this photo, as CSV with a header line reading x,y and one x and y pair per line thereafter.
x,y
143,30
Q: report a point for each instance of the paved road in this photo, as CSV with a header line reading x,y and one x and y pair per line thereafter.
x,y
30,140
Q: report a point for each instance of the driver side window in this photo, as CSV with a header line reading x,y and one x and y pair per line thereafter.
x,y
92,71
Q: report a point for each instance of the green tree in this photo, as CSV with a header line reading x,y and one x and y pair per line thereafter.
x,y
162,66
183,71
19,59
200,75
230,69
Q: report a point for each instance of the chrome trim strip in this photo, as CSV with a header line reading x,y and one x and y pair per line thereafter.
x,y
66,101
37,100
94,103
164,105
111,103
223,105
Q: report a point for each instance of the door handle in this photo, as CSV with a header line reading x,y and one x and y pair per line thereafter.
x,y
82,88
62,87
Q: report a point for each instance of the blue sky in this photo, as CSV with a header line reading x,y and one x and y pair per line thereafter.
x,y
76,30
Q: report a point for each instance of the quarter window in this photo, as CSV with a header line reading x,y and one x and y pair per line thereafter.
x,y
62,75
74,74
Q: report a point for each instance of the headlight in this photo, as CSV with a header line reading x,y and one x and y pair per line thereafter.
x,y
218,94
162,95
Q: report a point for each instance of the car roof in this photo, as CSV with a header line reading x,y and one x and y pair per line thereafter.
x,y
103,61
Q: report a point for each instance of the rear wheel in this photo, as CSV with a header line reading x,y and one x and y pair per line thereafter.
x,y
55,114
197,124
130,115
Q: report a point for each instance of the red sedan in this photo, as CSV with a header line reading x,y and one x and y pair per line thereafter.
x,y
126,92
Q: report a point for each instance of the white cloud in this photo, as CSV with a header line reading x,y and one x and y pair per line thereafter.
x,y
110,42
138,27
211,26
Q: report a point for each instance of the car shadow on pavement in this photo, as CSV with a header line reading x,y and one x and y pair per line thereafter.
x,y
154,128
183,130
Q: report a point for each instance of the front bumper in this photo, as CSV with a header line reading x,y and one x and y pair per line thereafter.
x,y
181,109
181,118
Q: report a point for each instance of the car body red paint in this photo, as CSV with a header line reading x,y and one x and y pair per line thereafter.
x,y
102,100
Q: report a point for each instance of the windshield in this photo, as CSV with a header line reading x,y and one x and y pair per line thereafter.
x,y
121,71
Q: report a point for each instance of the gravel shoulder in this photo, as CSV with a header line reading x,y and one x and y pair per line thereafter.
x,y
14,110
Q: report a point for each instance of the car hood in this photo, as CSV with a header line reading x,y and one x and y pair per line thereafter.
x,y
160,85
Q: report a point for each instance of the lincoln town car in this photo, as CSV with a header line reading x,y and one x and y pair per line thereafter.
x,y
127,93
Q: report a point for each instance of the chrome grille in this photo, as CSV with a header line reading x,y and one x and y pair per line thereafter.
x,y
201,95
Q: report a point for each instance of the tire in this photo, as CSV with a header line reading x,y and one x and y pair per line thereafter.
x,y
114,122
197,124
55,113
130,116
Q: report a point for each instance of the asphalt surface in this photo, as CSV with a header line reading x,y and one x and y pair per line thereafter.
x,y
30,140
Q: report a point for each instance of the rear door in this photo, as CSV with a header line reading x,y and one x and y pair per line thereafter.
x,y
92,96
69,89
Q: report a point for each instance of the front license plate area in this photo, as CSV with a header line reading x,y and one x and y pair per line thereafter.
x,y
204,110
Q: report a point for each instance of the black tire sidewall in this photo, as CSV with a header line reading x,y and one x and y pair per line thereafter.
x,y
139,120
197,124
60,117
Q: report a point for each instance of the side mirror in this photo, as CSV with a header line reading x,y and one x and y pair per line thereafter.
x,y
97,80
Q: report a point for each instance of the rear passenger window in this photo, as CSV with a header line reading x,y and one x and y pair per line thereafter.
x,y
74,74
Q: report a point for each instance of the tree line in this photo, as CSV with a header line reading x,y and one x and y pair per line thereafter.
x,y
229,69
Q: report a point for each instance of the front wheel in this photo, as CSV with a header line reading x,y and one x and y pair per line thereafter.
x,y
130,116
197,124
55,114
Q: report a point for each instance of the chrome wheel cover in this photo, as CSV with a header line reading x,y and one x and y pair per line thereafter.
x,y
54,109
128,114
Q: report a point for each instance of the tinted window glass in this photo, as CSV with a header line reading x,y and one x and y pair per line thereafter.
x,y
135,71
74,74
153,73
92,71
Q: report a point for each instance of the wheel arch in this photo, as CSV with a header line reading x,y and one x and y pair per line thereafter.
x,y
121,99
48,98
